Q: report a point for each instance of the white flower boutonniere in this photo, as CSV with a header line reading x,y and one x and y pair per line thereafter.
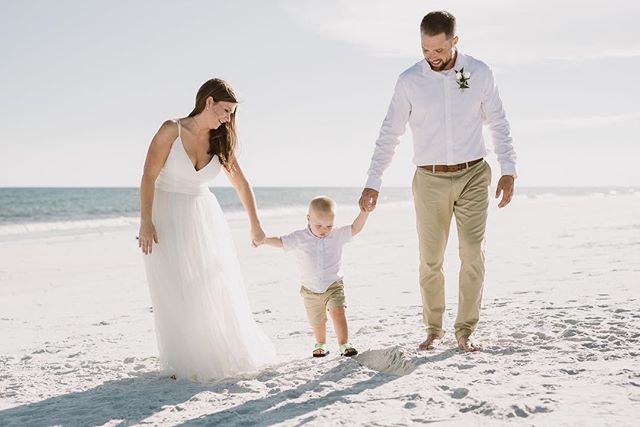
x,y
462,78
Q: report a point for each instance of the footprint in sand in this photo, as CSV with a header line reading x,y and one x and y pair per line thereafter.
x,y
267,375
570,332
470,408
572,371
517,411
461,367
459,393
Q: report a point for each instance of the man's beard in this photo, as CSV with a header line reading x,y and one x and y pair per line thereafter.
x,y
444,64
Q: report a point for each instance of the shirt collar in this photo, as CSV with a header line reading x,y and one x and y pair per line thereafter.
x,y
310,233
426,68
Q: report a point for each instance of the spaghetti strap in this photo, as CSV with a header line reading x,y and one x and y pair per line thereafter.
x,y
179,128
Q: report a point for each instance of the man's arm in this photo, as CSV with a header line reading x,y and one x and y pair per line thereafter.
x,y
495,118
393,127
358,223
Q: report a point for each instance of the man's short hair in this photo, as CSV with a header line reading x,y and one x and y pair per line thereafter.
x,y
437,22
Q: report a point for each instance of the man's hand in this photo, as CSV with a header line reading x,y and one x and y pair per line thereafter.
x,y
505,186
368,199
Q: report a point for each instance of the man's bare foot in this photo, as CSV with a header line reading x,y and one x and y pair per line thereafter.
x,y
429,343
467,346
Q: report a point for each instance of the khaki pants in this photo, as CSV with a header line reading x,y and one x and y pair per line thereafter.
x,y
317,305
438,196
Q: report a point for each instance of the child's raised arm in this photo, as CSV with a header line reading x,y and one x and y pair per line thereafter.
x,y
276,242
358,223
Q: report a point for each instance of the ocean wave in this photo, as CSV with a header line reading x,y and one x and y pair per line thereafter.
x,y
268,213
61,226
88,225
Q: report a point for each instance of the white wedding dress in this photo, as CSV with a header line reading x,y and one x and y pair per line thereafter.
x,y
204,325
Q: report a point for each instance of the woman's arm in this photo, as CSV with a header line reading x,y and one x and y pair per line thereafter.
x,y
245,193
156,157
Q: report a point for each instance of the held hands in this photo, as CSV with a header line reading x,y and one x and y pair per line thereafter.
x,y
146,236
368,199
257,237
505,186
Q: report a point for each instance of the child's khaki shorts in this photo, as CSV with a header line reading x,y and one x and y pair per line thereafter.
x,y
318,304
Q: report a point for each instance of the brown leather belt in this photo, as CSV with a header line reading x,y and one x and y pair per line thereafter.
x,y
450,168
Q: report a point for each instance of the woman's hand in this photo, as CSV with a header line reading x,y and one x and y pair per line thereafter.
x,y
257,236
146,236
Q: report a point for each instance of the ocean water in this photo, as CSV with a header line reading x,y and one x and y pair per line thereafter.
x,y
24,211
36,210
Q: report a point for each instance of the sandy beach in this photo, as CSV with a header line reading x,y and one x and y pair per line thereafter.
x,y
560,328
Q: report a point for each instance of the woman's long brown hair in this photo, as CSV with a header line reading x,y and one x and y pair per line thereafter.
x,y
222,141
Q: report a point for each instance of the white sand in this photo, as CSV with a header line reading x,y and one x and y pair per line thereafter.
x,y
560,329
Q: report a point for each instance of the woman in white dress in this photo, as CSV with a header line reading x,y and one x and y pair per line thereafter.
x,y
204,325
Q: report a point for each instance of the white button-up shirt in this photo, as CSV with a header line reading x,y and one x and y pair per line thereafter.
x,y
446,122
320,260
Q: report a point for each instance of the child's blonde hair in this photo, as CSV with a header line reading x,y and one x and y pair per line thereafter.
x,y
322,205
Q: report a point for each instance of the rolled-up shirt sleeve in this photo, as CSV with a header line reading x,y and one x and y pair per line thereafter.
x,y
494,117
393,127
345,235
289,241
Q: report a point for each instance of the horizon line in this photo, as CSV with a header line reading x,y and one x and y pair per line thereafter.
x,y
309,186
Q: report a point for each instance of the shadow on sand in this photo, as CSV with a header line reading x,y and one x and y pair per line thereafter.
x,y
132,400
278,408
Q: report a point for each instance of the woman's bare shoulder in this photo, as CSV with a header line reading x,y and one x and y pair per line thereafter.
x,y
167,133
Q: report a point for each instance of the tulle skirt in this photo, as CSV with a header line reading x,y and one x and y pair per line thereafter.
x,y
204,324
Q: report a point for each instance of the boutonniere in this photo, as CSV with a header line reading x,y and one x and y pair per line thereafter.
x,y
462,78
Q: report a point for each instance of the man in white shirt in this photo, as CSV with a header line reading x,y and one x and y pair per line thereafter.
x,y
446,98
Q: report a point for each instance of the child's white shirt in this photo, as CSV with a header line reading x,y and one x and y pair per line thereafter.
x,y
320,260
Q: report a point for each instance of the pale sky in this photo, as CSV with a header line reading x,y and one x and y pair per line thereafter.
x,y
84,85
